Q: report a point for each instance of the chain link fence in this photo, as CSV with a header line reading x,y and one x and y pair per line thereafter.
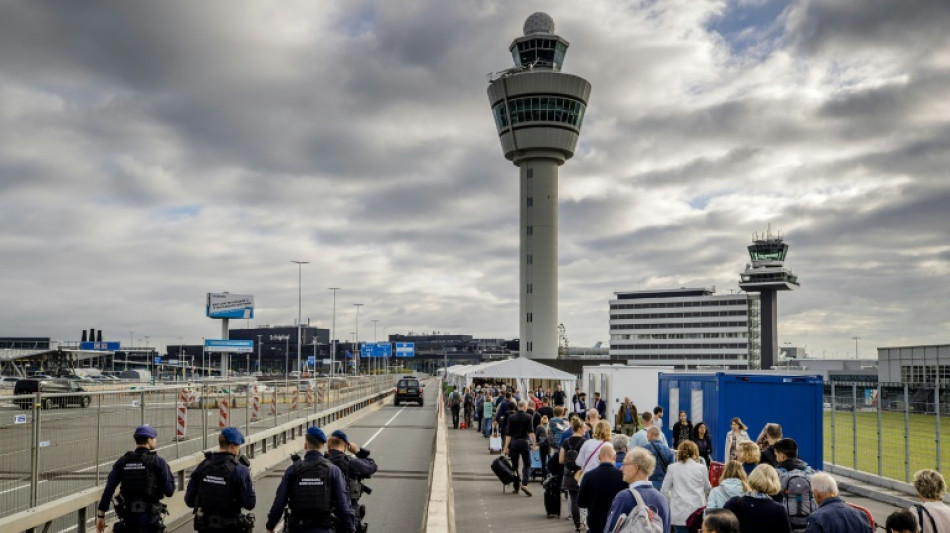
x,y
886,429
53,445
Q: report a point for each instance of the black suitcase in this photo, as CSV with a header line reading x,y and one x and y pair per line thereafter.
x,y
501,466
552,496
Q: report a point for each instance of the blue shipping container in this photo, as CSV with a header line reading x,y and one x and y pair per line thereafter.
x,y
794,401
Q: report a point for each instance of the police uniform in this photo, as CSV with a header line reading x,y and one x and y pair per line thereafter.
x,y
355,469
315,491
143,479
220,487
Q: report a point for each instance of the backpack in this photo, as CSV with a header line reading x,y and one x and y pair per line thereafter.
x,y
798,499
641,518
469,401
556,433
454,399
570,458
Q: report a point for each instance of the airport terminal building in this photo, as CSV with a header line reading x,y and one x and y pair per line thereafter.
x,y
685,328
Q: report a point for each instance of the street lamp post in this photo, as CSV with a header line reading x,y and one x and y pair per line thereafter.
x,y
259,353
358,353
333,336
375,341
299,302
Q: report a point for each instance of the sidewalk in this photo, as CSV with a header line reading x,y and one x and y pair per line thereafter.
x,y
480,504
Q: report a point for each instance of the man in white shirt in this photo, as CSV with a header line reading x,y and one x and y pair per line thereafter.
x,y
639,438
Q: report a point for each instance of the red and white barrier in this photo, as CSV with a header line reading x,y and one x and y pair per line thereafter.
x,y
223,413
273,403
310,395
256,406
182,425
293,400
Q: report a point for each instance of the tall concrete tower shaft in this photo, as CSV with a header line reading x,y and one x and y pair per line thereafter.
x,y
767,275
538,112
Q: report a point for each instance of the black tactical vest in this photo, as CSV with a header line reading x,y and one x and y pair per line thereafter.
x,y
309,493
138,479
354,488
216,496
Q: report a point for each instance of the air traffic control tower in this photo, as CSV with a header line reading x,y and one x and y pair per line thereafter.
x,y
538,112
767,275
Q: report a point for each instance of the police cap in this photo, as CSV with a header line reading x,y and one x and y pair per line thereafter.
x,y
340,435
146,431
317,433
232,435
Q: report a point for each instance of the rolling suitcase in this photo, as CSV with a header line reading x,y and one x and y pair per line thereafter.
x,y
715,472
501,466
552,496
535,464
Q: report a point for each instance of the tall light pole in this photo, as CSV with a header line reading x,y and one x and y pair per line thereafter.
x,y
259,354
300,265
856,339
333,335
358,353
375,323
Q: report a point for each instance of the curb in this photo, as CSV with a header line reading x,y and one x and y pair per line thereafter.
x,y
440,508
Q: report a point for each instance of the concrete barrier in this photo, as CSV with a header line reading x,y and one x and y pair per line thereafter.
x,y
440,509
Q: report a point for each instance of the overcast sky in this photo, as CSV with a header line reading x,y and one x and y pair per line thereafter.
x,y
151,152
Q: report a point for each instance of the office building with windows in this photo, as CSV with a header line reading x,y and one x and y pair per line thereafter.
x,y
686,328
538,112
914,364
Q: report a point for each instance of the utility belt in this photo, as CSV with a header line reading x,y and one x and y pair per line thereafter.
x,y
293,523
206,522
131,516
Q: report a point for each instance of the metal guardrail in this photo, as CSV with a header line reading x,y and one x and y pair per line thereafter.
x,y
81,503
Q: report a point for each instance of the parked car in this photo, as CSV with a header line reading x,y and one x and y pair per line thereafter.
x,y
7,382
32,386
408,389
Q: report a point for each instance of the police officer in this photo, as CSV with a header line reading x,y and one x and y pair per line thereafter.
x,y
221,486
315,491
355,469
143,478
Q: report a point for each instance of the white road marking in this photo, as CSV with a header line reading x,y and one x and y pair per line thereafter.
x,y
380,430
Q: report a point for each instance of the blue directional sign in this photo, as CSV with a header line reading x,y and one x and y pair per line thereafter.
x,y
109,346
405,349
226,345
382,349
311,360
158,360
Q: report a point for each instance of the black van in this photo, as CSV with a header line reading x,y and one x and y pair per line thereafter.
x,y
32,386
408,389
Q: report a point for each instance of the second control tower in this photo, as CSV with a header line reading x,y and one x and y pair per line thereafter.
x,y
538,112
767,275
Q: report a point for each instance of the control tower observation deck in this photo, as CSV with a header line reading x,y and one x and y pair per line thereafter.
x,y
538,112
767,275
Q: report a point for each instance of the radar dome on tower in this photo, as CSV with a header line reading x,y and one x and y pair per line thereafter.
x,y
539,23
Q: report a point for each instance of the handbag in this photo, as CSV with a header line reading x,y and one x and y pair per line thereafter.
x,y
580,473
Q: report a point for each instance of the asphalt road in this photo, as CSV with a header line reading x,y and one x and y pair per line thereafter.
x,y
400,440
78,446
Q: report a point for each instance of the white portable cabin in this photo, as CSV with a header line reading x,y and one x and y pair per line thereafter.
x,y
614,382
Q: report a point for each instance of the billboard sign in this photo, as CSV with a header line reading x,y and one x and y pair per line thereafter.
x,y
405,349
225,345
109,346
227,305
382,349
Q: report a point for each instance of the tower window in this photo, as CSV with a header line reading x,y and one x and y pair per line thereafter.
x,y
530,230
530,288
530,346
530,259
530,201
530,317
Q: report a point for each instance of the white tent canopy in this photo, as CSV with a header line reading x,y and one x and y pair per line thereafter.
x,y
519,369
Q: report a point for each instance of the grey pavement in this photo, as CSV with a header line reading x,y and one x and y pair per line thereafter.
x,y
482,507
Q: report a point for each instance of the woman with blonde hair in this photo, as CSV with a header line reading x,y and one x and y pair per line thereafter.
x,y
734,437
933,515
748,455
571,447
685,485
733,482
755,509
587,457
